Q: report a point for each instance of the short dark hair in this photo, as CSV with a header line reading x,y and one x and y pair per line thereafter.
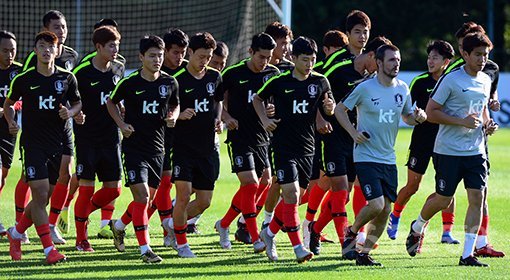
x,y
175,37
444,48
475,40
375,43
335,38
105,34
202,41
151,41
262,41
278,30
304,45
221,49
46,36
52,14
4,34
468,27
381,51
357,17
106,22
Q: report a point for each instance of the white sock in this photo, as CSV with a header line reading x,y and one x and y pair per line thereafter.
x,y
119,225
268,216
269,232
297,246
47,250
144,248
170,222
179,246
362,236
419,224
52,225
481,241
104,223
469,244
194,220
16,234
241,220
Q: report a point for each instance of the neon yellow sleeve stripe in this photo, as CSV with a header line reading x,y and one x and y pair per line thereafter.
x,y
28,60
336,66
179,72
272,79
17,63
63,69
82,65
454,65
122,81
89,56
333,56
240,63
16,77
422,76
318,65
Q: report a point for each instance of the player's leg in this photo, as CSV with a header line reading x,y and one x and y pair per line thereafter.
x,y
183,191
483,248
59,197
63,218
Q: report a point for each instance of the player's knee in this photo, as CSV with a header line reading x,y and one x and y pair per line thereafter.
x,y
376,205
203,204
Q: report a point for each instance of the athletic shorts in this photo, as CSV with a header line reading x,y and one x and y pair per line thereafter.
x,y
289,169
450,170
7,144
143,169
67,142
39,164
377,179
105,162
317,164
202,172
247,158
339,162
169,144
420,152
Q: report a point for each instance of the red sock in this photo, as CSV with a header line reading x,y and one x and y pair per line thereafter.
x,y
325,216
82,210
107,212
249,210
21,198
103,197
69,199
277,222
338,212
261,197
233,211
484,226
448,219
163,199
44,234
23,224
180,234
397,209
291,223
305,197
140,222
127,216
58,199
316,195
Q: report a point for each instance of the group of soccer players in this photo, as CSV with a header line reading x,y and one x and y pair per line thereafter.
x,y
298,132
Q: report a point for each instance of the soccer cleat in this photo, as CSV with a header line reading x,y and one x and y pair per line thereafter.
x,y
488,251
118,236
24,238
3,230
325,239
242,234
471,261
151,257
349,246
302,254
224,238
271,252
447,238
392,228
258,246
84,246
413,241
56,237
105,233
185,252
264,225
169,239
192,229
315,240
55,257
14,245
306,233
366,260
63,221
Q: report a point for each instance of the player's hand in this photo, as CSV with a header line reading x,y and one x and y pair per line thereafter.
x,y
231,123
187,114
419,115
218,126
79,118
127,130
271,124
323,126
270,110
13,128
494,105
328,104
18,105
170,119
122,110
63,112
491,127
472,121
361,137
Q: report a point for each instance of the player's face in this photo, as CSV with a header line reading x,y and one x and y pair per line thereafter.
x,y
59,27
218,62
200,58
477,59
459,42
358,36
109,51
304,63
45,51
391,64
436,63
371,64
152,59
282,47
175,55
260,59
7,52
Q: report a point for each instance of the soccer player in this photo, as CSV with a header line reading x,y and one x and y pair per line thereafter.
x,y
152,103
459,104
45,89
220,56
195,161
282,35
247,140
298,95
380,102
176,43
422,140
105,22
97,140
9,68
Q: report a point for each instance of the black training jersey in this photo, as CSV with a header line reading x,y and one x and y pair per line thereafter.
x,y
296,104
285,65
491,68
91,55
334,58
118,65
6,76
242,84
67,60
172,72
421,88
195,136
42,97
147,105
99,129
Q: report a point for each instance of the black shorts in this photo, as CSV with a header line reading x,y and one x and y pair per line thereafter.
x,y
377,179
451,169
202,172
143,169
339,162
40,164
7,144
169,144
291,169
247,158
418,159
317,164
103,161
67,142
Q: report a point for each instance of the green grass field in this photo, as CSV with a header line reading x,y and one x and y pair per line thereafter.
x,y
437,261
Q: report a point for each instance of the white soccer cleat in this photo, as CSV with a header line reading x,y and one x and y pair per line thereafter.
x,y
169,239
56,237
306,233
271,252
302,254
258,246
185,252
224,236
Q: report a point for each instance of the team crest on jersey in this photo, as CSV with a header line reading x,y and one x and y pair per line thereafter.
x,y
331,167
31,172
239,161
164,90
131,175
211,87
13,74
412,162
368,189
399,99
59,86
79,169
177,171
266,78
313,89
115,79
441,184
280,174
69,65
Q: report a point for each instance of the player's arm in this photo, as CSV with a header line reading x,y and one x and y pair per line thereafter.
x,y
343,119
260,109
322,125
436,115
8,112
67,113
489,124
114,112
229,121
